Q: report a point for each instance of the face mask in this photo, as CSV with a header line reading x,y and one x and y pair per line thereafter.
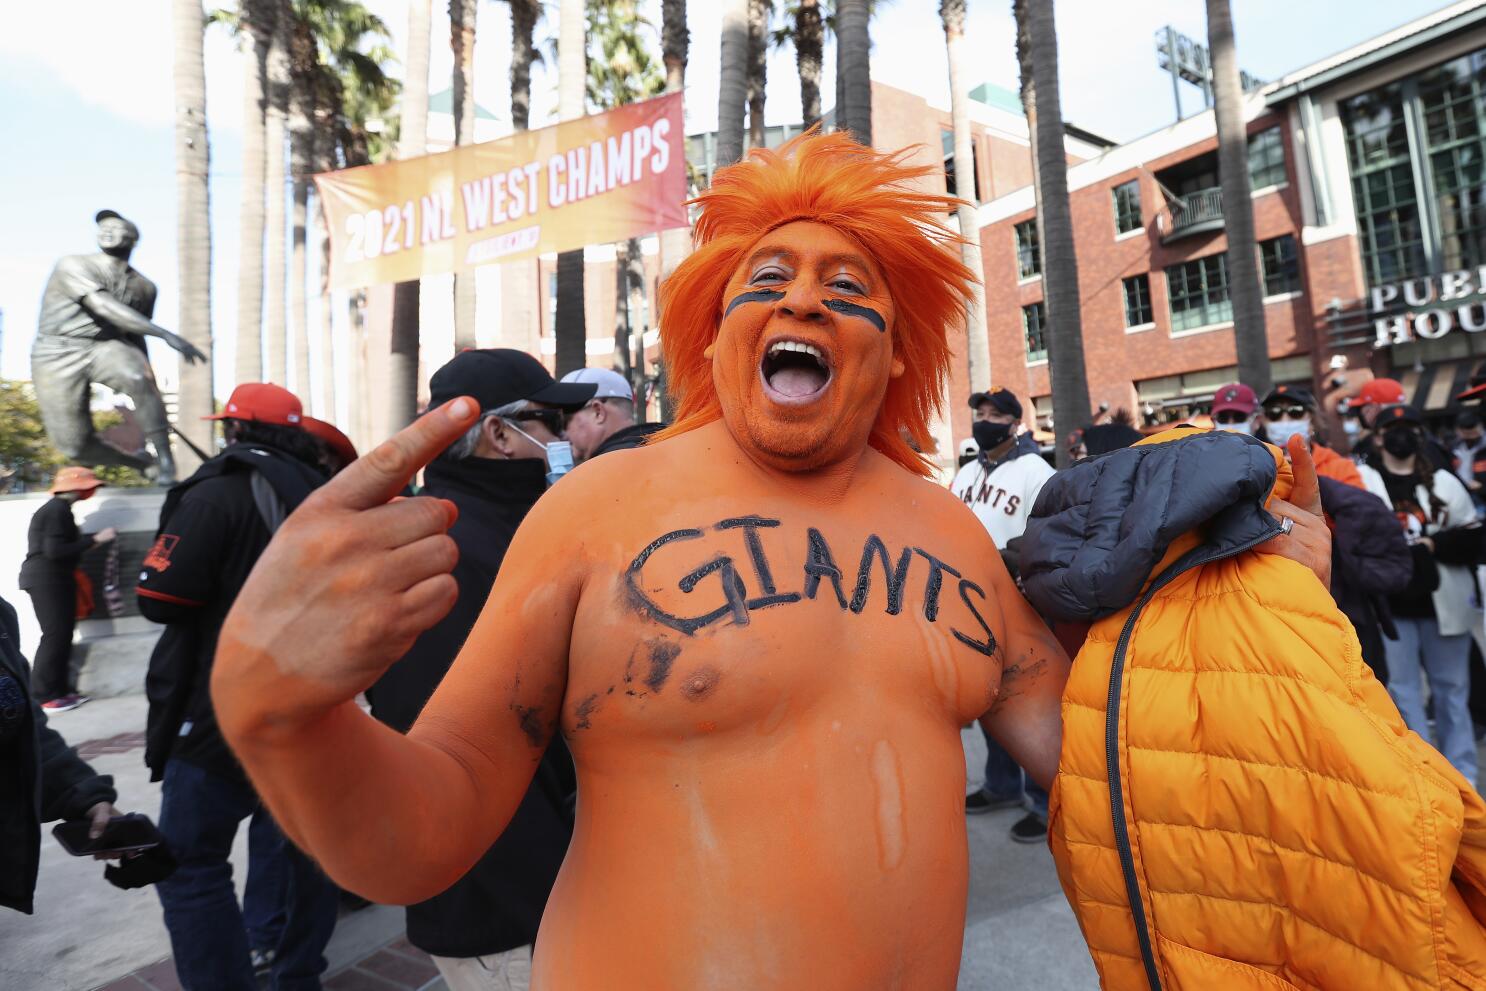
x,y
1245,427
1280,431
1351,427
559,454
1401,443
990,435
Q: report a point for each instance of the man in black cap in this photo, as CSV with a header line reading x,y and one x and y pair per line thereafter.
x,y
95,314
480,931
1000,486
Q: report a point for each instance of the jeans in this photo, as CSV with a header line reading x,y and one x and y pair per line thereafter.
x,y
1005,778
199,815
1445,661
264,910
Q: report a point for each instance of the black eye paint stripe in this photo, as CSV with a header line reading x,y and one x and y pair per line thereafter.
x,y
756,296
856,310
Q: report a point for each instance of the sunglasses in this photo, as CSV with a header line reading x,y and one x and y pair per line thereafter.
x,y
1231,416
553,419
1286,412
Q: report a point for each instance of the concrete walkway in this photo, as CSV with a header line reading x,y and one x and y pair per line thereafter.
x,y
87,934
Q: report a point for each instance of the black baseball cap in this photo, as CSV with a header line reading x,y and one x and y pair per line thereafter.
x,y
497,376
1290,394
1398,413
1003,400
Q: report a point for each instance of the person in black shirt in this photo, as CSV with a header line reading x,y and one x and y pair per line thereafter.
x,y
481,930
53,548
607,421
213,528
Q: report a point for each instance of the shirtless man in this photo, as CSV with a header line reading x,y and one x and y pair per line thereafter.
x,y
760,635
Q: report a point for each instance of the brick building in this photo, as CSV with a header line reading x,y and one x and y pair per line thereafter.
x,y
1369,197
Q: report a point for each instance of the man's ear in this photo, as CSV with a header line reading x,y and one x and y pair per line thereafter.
x,y
496,436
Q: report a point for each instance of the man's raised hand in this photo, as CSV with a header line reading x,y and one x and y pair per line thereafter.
x,y
348,582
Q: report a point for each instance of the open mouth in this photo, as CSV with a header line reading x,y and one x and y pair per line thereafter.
x,y
794,372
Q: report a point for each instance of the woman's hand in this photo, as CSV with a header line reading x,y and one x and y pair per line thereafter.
x,y
1309,539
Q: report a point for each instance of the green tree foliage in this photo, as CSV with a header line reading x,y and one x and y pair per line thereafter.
x,y
27,458
621,66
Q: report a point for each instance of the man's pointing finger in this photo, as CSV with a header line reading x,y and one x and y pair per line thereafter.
x,y
382,474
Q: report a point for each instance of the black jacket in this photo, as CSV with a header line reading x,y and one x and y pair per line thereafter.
x,y
1370,560
41,777
213,527
634,435
53,545
498,905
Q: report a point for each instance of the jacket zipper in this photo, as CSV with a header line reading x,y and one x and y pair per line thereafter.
x,y
1112,747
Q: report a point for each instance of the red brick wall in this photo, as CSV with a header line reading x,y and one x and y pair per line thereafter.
x,y
1115,359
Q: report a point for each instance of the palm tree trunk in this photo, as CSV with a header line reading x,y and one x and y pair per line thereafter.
x,y
301,157
462,14
675,40
854,42
248,364
809,44
621,309
572,77
193,228
1249,335
402,358
523,25
275,135
978,347
732,91
758,68
1038,52
325,103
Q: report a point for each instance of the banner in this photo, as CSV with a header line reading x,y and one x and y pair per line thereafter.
x,y
596,180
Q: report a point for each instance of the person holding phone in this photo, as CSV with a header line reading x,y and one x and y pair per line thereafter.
x,y
47,780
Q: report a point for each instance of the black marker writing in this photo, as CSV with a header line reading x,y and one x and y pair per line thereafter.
x,y
820,565
987,646
937,570
895,575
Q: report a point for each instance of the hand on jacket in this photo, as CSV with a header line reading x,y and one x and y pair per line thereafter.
x,y
343,590
1309,540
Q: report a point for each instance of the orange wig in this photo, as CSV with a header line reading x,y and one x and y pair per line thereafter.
x,y
832,180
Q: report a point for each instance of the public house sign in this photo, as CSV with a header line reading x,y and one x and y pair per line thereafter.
x,y
1432,307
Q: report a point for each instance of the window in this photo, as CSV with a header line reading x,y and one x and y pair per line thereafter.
x,y
1034,322
1279,266
951,175
1388,228
1198,293
1127,207
1138,301
1266,159
1452,98
1028,255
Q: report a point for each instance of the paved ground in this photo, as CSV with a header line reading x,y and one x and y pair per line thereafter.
x,y
87,934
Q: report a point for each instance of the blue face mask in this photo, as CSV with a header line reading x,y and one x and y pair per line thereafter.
x,y
559,454
1280,431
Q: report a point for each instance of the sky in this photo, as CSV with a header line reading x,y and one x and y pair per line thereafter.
x,y
86,109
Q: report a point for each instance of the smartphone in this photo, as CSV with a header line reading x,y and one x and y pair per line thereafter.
x,y
123,834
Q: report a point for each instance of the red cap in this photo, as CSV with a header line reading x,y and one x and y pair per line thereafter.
x,y
340,445
262,402
1379,392
1235,397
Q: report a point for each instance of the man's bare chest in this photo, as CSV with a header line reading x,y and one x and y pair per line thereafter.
x,y
716,622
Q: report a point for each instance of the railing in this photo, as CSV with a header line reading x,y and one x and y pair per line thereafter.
x,y
1202,210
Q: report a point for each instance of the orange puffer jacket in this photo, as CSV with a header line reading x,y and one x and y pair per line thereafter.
x,y
1239,805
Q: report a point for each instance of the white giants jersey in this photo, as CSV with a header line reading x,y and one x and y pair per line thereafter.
x,y
1002,498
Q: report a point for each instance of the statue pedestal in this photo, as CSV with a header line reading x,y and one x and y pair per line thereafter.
x,y
114,642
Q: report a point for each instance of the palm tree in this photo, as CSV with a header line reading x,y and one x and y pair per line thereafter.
x,y
804,28
760,13
304,63
854,67
193,225
256,16
1037,53
732,95
275,135
402,362
675,40
462,15
621,71
1249,336
572,83
524,17
978,348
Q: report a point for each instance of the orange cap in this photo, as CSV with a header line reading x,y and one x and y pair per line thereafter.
x,y
1379,392
75,478
263,402
339,444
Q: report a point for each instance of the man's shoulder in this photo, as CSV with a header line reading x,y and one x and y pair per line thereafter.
x,y
77,264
